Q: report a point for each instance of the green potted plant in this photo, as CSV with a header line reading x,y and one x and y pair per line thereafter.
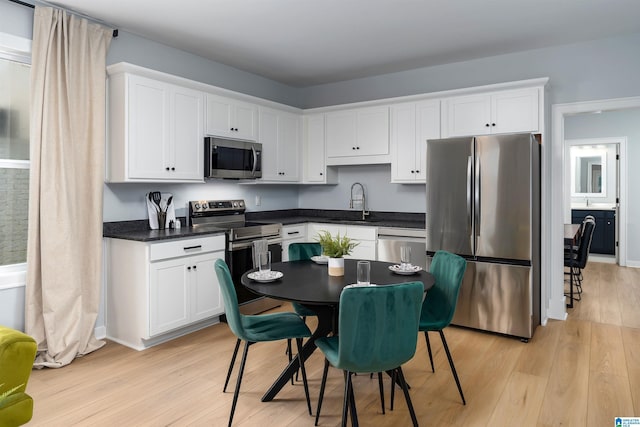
x,y
335,248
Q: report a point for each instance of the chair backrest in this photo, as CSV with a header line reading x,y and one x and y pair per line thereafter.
x,y
585,244
448,270
304,251
231,309
378,326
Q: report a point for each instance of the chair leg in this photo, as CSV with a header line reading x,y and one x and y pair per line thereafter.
x,y
426,338
381,386
322,384
349,401
393,388
405,390
233,361
304,374
345,404
235,394
453,368
290,357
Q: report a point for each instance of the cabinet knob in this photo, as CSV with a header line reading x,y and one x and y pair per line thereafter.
x,y
417,171
353,148
357,148
188,268
413,171
167,168
320,173
493,124
486,124
195,267
173,169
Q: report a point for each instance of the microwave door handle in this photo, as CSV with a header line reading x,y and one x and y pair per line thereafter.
x,y
255,161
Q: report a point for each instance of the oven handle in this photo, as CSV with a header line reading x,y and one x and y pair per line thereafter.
x,y
236,246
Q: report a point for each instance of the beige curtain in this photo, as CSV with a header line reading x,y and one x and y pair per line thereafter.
x,y
64,253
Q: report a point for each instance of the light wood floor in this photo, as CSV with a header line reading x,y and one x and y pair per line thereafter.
x,y
580,372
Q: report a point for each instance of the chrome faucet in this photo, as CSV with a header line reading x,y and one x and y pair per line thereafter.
x,y
362,199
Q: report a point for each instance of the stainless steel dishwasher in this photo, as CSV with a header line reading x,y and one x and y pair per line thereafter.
x,y
391,239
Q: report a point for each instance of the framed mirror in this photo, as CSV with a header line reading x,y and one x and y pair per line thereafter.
x,y
588,171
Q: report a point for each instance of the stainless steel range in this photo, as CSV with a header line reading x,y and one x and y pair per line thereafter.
x,y
229,215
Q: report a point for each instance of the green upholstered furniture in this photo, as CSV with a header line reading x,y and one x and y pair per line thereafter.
x,y
377,331
17,353
300,252
257,328
440,304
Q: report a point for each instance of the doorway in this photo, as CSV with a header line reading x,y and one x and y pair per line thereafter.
x,y
554,214
593,182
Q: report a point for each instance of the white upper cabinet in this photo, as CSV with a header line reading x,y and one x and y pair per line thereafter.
x,y
315,169
412,124
491,113
358,136
280,137
155,131
231,118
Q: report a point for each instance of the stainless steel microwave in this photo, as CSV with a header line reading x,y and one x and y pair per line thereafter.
x,y
232,159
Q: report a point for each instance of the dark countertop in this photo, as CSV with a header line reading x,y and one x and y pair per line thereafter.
x,y
138,230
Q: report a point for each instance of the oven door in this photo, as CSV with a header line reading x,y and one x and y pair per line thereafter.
x,y
240,260
226,158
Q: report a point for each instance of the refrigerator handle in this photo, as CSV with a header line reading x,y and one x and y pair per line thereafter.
x,y
469,192
477,197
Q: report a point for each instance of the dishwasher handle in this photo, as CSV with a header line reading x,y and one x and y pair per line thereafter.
x,y
402,239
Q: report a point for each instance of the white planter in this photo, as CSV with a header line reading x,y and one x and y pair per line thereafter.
x,y
336,266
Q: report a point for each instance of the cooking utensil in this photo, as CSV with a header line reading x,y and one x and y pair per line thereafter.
x,y
168,203
150,196
157,197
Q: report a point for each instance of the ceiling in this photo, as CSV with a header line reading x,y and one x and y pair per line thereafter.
x,y
309,42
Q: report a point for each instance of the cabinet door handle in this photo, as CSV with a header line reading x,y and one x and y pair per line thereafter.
x,y
291,233
188,248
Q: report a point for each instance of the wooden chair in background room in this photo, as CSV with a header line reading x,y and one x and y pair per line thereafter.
x,y
377,332
257,328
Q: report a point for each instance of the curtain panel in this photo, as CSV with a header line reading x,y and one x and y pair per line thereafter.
x,y
64,251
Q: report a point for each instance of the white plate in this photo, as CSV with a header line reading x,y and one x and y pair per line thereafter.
x,y
411,270
320,259
265,277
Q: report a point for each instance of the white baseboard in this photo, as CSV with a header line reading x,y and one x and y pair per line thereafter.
x,y
634,264
100,332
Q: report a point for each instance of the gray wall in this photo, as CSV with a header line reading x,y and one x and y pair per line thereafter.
x,y
617,123
599,69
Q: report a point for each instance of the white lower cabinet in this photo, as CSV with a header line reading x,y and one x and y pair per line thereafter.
x,y
293,234
157,291
365,236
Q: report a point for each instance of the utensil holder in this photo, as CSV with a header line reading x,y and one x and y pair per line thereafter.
x,y
162,220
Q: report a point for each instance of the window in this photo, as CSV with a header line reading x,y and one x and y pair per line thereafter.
x,y
14,154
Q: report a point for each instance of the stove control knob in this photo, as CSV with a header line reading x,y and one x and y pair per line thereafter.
x,y
197,206
235,204
241,204
205,205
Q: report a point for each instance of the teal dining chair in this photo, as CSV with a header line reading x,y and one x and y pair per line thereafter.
x,y
440,304
257,328
300,252
377,332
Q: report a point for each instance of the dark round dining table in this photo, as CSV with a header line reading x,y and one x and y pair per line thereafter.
x,y
309,284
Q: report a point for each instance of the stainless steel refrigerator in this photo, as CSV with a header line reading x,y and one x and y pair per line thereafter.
x,y
483,203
